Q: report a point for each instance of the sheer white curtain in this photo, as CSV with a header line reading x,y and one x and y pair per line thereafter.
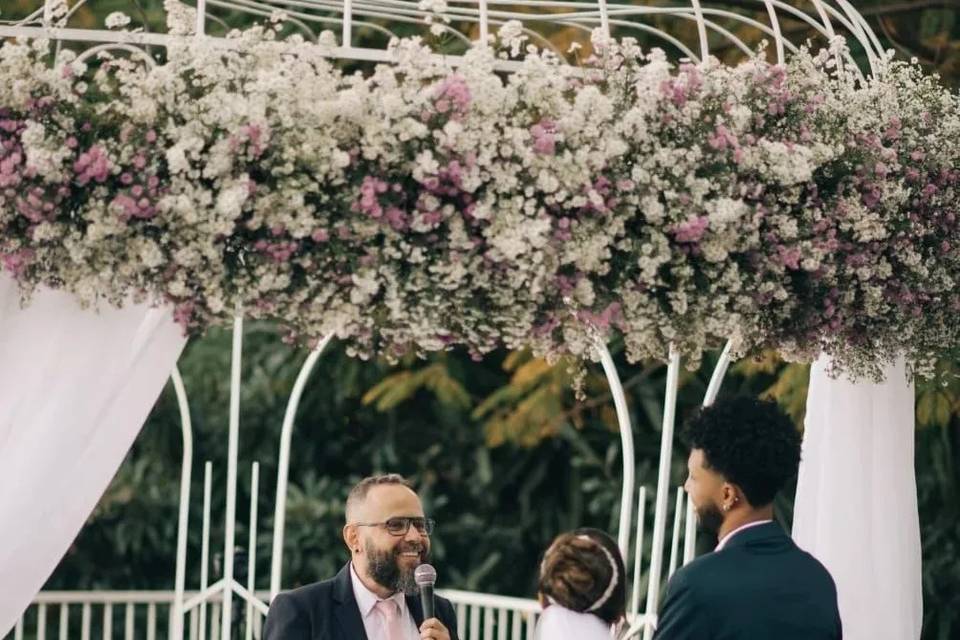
x,y
75,389
856,506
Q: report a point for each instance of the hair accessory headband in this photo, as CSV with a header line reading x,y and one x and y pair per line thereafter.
x,y
614,576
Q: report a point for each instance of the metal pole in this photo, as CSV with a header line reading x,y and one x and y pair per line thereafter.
x,y
205,547
663,490
252,544
638,552
201,17
230,521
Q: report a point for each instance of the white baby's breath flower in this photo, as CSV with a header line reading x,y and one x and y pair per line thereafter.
x,y
117,20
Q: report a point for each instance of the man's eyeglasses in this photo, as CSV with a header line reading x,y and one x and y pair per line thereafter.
x,y
399,526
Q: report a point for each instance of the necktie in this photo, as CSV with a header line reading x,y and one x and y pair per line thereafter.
x,y
392,623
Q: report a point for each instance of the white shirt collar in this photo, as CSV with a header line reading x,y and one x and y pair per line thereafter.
x,y
366,599
726,538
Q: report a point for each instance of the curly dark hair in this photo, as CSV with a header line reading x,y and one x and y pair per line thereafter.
x,y
750,442
576,572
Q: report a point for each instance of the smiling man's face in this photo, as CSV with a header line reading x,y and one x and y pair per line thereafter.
x,y
386,559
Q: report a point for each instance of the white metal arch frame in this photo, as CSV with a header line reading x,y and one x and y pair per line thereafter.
x,y
470,23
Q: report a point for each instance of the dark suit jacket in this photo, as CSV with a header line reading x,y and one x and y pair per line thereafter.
x,y
328,611
760,586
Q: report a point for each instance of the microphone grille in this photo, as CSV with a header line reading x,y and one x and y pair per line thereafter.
x,y
425,575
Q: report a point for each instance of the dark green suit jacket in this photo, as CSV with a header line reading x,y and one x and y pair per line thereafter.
x,y
760,586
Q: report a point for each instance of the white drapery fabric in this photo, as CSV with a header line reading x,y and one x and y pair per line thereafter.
x,y
856,505
75,388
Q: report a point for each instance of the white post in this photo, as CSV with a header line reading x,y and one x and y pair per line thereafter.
x,y
484,23
205,547
176,620
252,543
604,18
663,490
201,17
638,551
626,440
230,524
675,540
346,40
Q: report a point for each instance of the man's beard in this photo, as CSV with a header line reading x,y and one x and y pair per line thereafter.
x,y
385,569
709,518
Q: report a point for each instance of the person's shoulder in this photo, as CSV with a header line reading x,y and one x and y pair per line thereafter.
x,y
704,566
307,594
817,568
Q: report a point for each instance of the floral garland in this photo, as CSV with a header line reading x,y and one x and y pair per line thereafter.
x,y
418,207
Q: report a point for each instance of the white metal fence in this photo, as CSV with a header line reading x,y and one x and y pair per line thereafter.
x,y
130,615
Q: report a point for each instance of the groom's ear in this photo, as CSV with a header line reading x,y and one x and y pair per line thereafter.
x,y
731,494
351,538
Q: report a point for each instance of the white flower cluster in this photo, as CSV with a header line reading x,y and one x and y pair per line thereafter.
x,y
419,207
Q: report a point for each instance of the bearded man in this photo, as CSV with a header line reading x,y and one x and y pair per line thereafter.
x,y
757,584
374,596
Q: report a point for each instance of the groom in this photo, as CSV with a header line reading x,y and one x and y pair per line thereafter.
x,y
757,584
372,598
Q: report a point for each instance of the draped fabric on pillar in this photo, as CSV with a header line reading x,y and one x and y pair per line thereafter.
x,y
856,506
75,388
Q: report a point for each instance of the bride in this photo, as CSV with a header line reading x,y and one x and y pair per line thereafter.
x,y
582,588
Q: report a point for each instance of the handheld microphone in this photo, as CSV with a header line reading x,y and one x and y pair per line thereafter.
x,y
426,576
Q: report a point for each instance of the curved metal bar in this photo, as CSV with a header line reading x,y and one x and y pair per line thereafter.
x,y
604,18
484,17
701,30
663,489
283,464
88,53
778,36
346,34
183,517
713,388
230,518
626,441
201,31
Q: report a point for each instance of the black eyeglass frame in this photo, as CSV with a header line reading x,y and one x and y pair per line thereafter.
x,y
425,526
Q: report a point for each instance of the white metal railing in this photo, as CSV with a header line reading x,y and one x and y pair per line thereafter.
x,y
111,615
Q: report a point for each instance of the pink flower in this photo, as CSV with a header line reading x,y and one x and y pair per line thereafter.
x,y
544,140
453,95
789,256
93,164
16,262
692,230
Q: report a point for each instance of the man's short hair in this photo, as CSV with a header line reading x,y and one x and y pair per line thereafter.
x,y
360,490
750,442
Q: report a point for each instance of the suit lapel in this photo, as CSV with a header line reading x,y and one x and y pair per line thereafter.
x,y
415,608
345,608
